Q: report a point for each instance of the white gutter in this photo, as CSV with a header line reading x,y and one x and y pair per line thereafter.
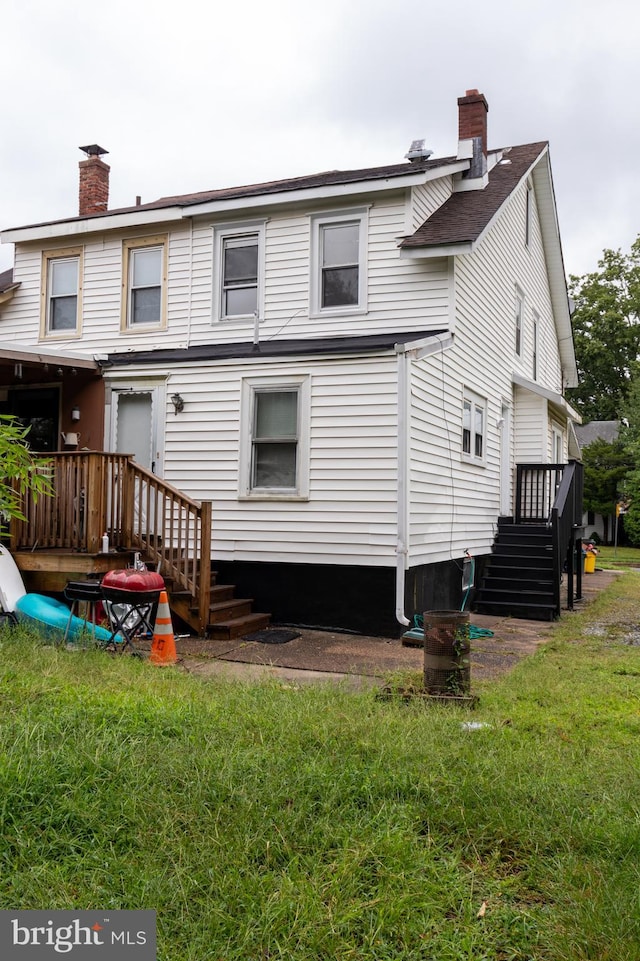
x,y
406,353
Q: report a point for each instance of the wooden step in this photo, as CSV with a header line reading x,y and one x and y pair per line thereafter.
x,y
529,612
229,610
238,626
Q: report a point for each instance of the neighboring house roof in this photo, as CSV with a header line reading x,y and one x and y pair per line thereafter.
x,y
371,343
464,216
606,430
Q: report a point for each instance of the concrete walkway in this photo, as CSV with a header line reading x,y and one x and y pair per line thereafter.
x,y
333,657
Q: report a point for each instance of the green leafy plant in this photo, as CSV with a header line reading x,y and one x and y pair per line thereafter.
x,y
21,471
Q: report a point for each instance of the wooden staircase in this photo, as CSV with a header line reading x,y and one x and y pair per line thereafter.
x,y
229,616
519,579
92,492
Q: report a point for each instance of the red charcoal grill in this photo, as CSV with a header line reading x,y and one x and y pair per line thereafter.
x,y
132,598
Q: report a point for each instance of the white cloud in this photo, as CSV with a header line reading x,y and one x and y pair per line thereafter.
x,y
194,96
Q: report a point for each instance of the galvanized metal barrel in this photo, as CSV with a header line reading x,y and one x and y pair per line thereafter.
x,y
446,652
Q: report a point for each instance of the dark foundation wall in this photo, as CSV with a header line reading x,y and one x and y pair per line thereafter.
x,y
356,599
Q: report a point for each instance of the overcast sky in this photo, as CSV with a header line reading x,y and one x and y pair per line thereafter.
x,y
194,95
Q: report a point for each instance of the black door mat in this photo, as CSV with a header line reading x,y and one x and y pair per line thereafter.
x,y
271,636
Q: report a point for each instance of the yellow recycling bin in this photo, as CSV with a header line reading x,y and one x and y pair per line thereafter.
x,y
589,562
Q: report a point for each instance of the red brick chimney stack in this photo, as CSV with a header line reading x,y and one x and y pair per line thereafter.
x,y
94,182
472,126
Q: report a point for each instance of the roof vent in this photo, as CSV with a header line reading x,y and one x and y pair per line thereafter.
x,y
418,151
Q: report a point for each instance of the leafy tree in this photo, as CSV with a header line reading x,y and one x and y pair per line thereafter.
x,y
20,470
606,465
606,332
630,438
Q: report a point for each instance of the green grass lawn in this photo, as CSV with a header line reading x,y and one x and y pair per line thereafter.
x,y
266,821
618,558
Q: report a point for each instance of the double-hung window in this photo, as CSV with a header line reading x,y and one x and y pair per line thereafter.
x,y
238,271
338,255
474,417
518,315
61,288
274,460
144,269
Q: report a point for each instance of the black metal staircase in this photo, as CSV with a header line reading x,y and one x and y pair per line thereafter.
x,y
519,580
535,551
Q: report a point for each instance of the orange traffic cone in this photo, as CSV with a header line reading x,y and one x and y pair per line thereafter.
x,y
163,646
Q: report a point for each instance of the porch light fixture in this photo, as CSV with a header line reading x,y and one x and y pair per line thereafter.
x,y
75,413
178,403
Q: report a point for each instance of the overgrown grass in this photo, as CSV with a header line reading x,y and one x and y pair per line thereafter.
x,y
268,822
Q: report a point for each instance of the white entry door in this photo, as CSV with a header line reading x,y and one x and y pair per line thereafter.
x,y
136,423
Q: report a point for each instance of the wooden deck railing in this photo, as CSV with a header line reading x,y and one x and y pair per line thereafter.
x,y
96,492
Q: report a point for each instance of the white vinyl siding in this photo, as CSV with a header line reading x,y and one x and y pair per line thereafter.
x,y
401,294
350,513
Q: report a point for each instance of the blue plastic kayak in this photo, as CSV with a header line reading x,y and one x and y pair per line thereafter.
x,y
51,617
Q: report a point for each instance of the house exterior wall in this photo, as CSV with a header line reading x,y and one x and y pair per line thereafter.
x,y
401,295
350,514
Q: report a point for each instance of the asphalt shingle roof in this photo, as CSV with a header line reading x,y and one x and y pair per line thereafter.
x,y
463,217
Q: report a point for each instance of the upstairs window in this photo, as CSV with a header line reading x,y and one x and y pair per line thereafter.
x,y
474,415
61,289
238,270
339,263
519,311
239,275
144,283
534,331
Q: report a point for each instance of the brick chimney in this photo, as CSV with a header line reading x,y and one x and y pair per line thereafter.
x,y
472,132
94,181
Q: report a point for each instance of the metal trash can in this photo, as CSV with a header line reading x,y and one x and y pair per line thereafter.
x,y
446,653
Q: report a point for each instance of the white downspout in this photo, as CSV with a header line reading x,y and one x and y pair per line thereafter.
x,y
402,544
405,353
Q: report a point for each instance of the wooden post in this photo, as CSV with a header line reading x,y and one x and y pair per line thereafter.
x,y
95,501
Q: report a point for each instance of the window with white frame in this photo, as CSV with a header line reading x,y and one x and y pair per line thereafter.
x,y
274,457
238,270
61,290
534,331
474,417
338,262
144,285
519,311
